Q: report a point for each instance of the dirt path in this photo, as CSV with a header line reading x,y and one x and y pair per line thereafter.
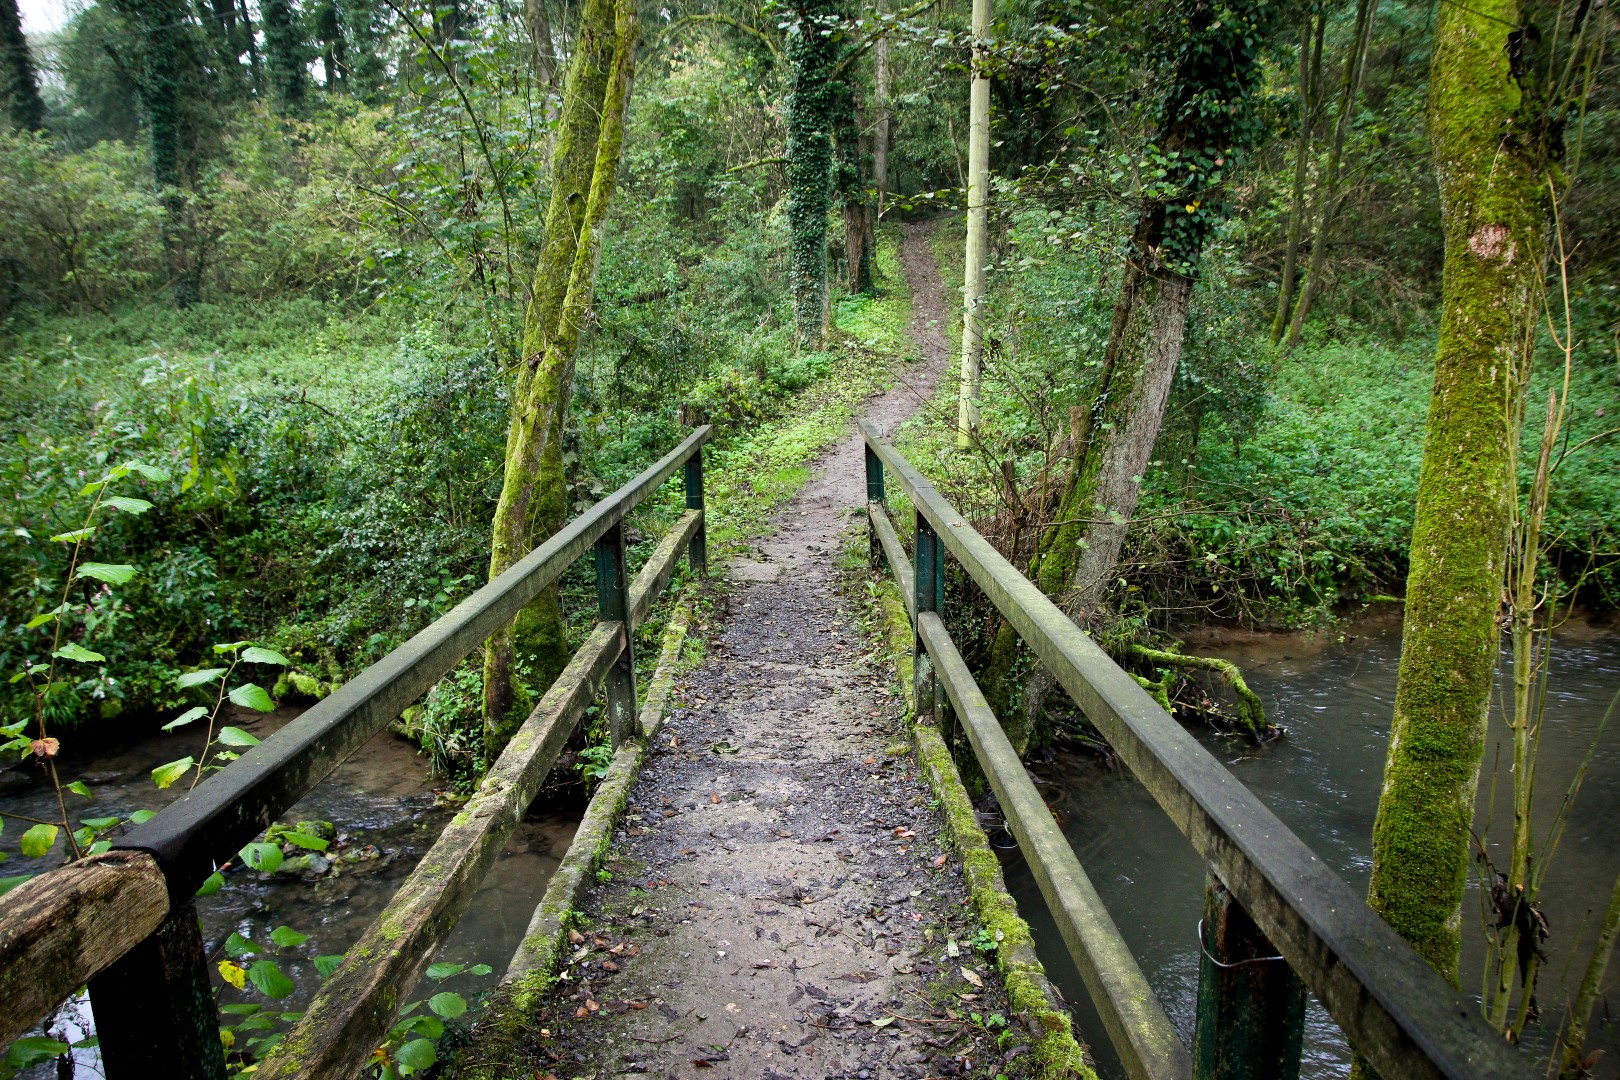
x,y
781,900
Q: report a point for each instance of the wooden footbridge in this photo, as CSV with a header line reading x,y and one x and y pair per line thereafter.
x,y
1279,923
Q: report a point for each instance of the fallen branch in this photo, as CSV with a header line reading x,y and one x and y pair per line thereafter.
x,y
1251,710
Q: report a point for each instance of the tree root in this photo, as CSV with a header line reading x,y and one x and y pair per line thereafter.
x,y
1251,710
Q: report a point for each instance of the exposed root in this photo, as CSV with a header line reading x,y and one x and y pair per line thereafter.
x,y
1251,710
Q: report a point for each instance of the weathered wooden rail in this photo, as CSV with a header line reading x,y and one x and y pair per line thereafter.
x,y
126,922
1269,893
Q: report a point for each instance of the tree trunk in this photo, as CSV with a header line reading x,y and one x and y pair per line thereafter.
x,y
538,22
1493,184
284,51
1310,66
810,105
27,108
1328,195
881,129
978,220
854,199
533,499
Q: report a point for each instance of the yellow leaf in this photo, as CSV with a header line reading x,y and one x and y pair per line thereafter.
x,y
227,1038
235,974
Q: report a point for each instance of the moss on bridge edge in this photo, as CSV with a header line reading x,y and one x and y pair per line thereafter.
x,y
1036,1001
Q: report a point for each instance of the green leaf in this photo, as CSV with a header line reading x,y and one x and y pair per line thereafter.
x,y
9,883
150,472
269,979
241,1008
447,1004
197,678
38,840
211,885
71,651
328,964
127,505
252,696
416,1055
34,1050
265,858
186,717
41,619
100,822
99,846
77,534
306,841
287,937
480,970
116,573
256,655
230,647
444,970
78,788
238,946
141,817
235,736
164,775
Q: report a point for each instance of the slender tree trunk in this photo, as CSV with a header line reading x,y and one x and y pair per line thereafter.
x,y
1572,1058
21,88
811,55
533,499
1310,62
538,22
284,48
1329,196
854,199
250,40
1493,183
881,129
978,222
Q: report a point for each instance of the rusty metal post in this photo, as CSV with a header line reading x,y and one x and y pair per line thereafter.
x,y
697,552
154,1007
613,605
1251,1005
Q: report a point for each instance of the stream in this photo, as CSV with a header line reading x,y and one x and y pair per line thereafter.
x,y
1335,696
387,815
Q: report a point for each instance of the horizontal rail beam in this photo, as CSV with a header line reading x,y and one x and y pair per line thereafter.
x,y
895,552
355,1008
63,928
1137,1025
208,825
1397,1011
660,565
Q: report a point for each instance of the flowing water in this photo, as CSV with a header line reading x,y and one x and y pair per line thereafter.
x,y
383,804
1335,698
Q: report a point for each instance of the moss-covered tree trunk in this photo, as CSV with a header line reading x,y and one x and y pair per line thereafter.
x,y
21,87
533,499
284,49
812,53
1493,187
1206,126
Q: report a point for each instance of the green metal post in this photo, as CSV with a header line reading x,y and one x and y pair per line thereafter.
x,y
1251,1005
154,1007
874,494
697,552
613,605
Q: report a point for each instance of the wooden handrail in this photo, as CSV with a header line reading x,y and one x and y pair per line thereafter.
x,y
1397,1011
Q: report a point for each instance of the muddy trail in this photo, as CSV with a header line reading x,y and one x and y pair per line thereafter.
x,y
782,902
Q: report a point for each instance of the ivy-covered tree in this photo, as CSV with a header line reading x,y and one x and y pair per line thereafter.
x,y
286,53
21,88
812,102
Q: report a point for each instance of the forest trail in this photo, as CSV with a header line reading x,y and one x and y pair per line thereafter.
x,y
781,895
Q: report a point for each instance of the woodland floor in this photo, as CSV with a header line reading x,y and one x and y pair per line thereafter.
x,y
782,901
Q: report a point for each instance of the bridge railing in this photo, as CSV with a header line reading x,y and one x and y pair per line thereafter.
x,y
126,922
1276,915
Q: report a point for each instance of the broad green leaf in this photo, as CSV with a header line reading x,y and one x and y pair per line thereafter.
x,y
328,964
141,817
100,822
150,472
306,841
41,619
99,846
235,736
38,840
241,1008
239,946
444,970
164,775
78,788
72,651
116,573
416,1055
186,717
480,970
266,858
77,534
426,1025
448,1005
34,1050
230,647
197,678
269,979
256,655
84,837
9,883
287,937
211,885
252,696
128,505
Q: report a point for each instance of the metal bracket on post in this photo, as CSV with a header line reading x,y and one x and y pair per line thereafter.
x,y
874,494
928,585
154,1007
613,605
697,552
1251,1005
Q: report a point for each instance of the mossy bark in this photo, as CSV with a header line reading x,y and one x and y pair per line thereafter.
x,y
533,499
1492,189
812,52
